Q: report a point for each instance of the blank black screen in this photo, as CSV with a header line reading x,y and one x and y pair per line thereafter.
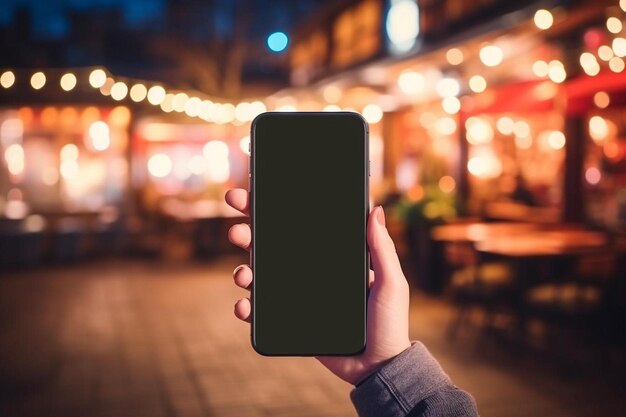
x,y
309,213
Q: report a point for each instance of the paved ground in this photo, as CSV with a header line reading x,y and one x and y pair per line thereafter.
x,y
143,338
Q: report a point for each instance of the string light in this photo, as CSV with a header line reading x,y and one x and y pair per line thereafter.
x,y
7,79
138,92
97,78
119,90
68,81
38,80
156,95
543,19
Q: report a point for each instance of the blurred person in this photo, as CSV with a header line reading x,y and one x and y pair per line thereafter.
x,y
393,377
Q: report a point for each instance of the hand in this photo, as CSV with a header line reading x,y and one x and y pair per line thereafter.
x,y
388,303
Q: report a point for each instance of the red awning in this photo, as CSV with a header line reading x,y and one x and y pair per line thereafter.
x,y
538,96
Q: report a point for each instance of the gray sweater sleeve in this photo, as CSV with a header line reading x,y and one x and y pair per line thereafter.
x,y
411,384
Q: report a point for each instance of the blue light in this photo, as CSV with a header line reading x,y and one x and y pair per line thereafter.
x,y
277,41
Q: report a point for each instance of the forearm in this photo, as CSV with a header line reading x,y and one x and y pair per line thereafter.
x,y
412,384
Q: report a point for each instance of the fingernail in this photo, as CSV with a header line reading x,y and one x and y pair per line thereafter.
x,y
237,270
380,215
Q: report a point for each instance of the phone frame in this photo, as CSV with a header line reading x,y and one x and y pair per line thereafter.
x,y
251,205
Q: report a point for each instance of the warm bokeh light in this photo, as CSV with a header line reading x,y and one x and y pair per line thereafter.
x,y
616,64
38,80
556,71
226,113
521,128
479,131
505,125
179,102
69,151
598,128
243,111
138,92
69,169
447,184
11,131
605,52
540,68
14,157
244,145
160,165
285,108
451,105
257,107
49,116
556,139
119,90
601,99
97,78
372,113
120,116
613,24
156,95
485,165
332,107
611,149
454,56
477,83
331,93
491,55
593,175
167,105
192,106
218,165
619,47
543,19
411,82
589,63
99,136
105,90
448,87
445,125
7,79
68,81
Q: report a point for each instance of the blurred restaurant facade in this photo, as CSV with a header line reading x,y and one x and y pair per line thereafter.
x,y
492,110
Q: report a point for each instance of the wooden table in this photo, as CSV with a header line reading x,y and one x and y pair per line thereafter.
x,y
533,244
476,232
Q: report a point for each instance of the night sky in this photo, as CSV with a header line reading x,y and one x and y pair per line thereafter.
x,y
49,16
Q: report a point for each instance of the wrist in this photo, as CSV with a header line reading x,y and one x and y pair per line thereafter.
x,y
376,365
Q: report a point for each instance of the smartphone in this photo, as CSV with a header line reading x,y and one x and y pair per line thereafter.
x,y
309,204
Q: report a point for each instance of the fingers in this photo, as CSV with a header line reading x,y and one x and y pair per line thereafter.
x,y
383,252
238,199
243,309
242,275
240,235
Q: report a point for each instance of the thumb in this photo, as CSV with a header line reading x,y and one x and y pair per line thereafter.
x,y
382,250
